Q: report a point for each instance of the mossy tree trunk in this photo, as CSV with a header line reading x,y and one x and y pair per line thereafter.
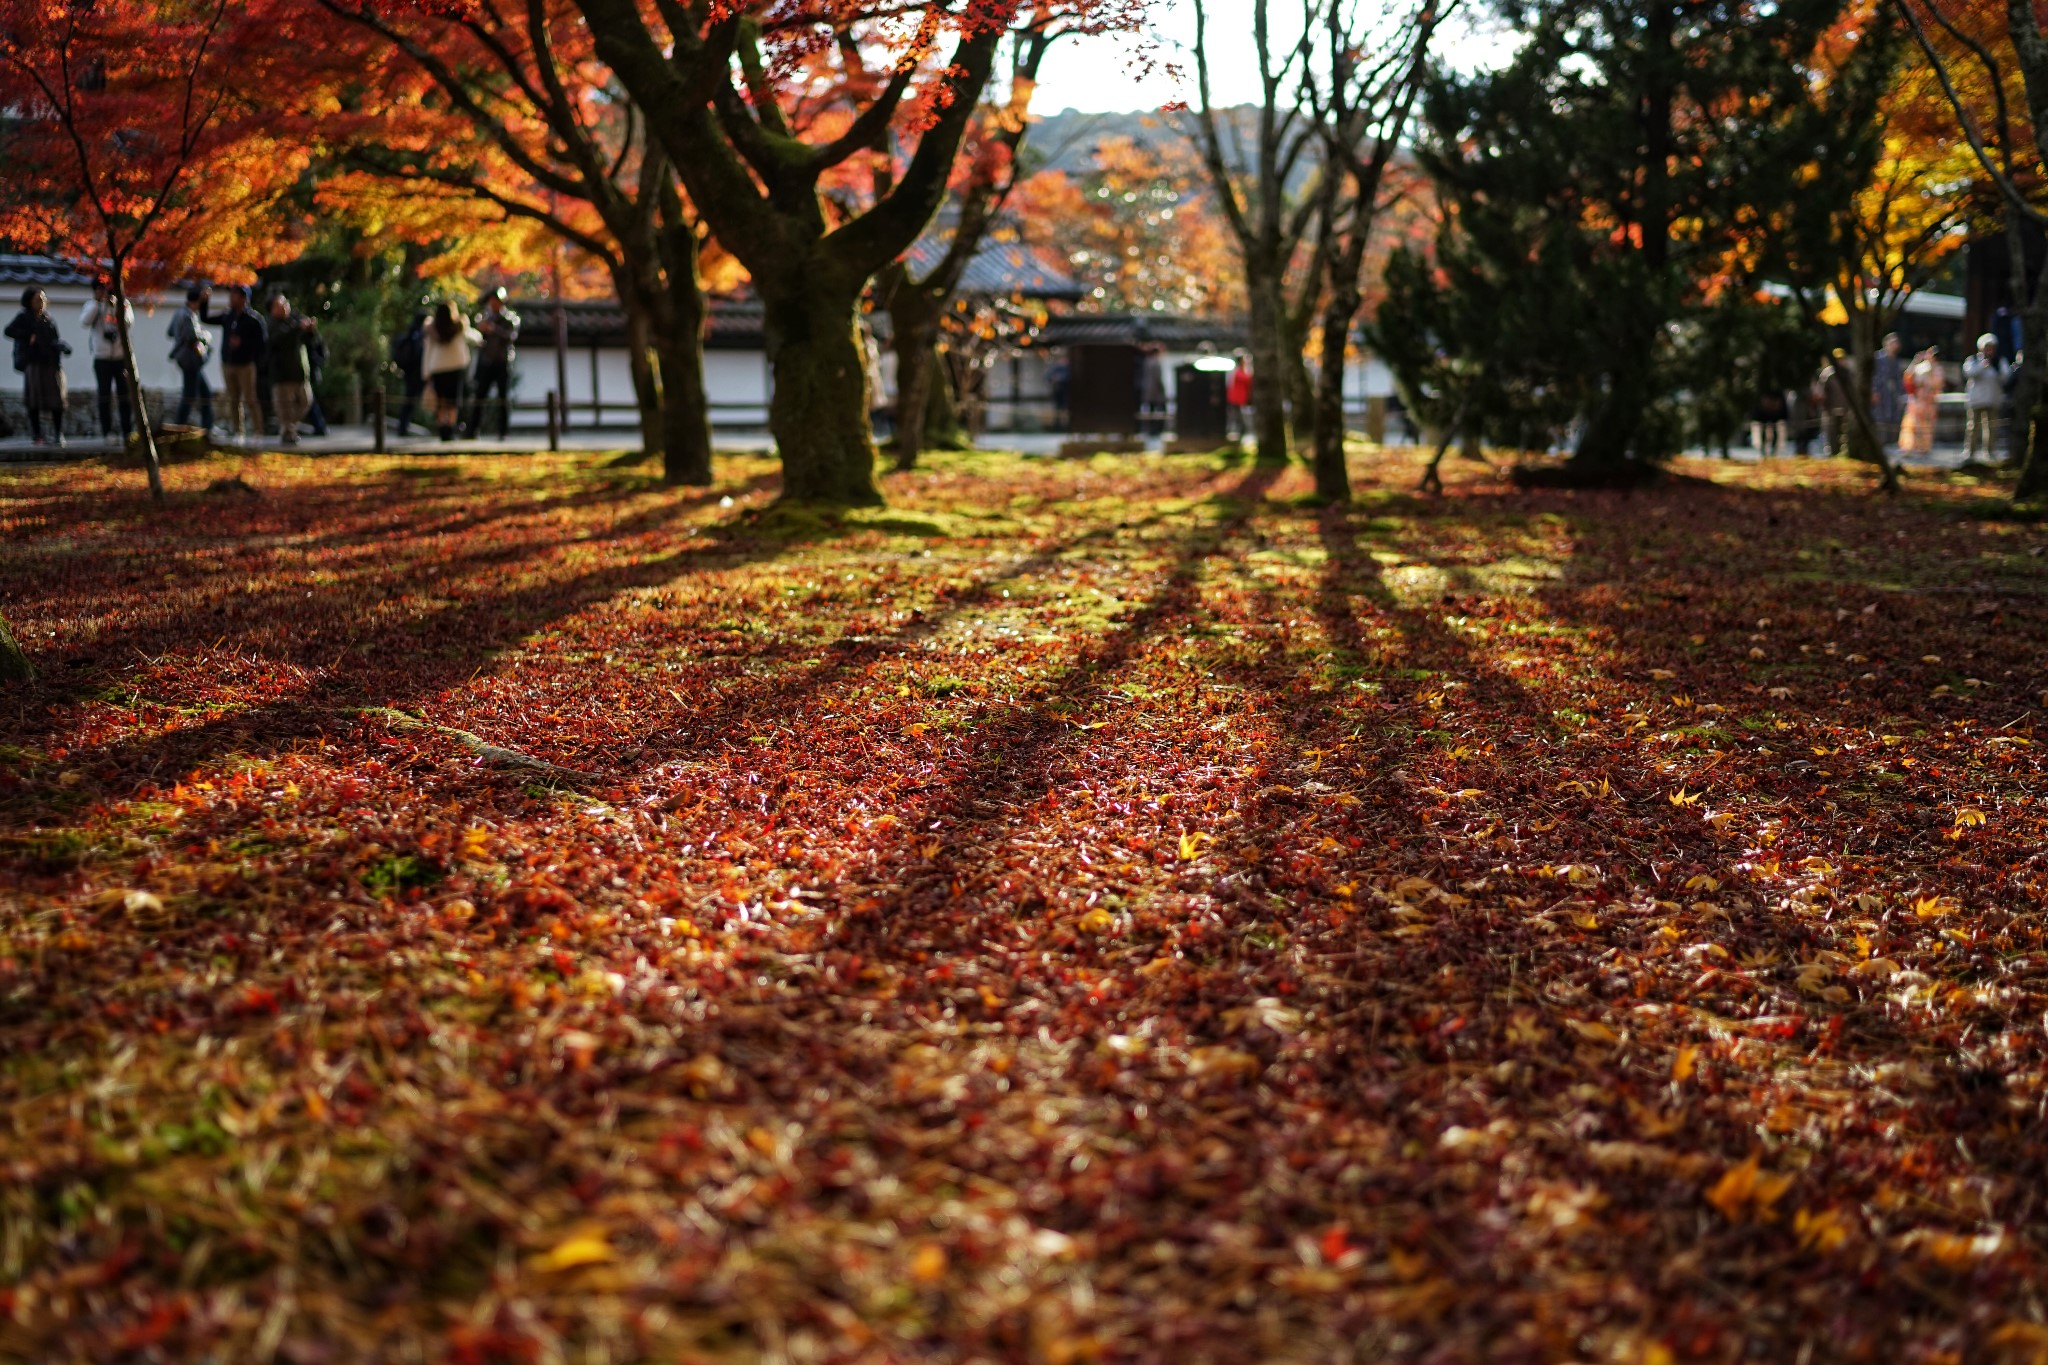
x,y
682,318
819,410
642,360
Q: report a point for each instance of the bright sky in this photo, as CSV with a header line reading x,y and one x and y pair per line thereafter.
x,y
1096,74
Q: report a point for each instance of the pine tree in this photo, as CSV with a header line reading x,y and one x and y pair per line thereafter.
x,y
1611,196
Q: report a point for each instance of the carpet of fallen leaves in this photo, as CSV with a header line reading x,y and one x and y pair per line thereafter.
x,y
504,910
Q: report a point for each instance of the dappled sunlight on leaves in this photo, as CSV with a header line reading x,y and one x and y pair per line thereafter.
x,y
1097,910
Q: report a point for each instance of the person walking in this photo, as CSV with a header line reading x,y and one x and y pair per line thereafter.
x,y
1808,404
1923,383
39,357
291,371
190,347
1888,389
1237,397
101,319
316,365
243,346
445,359
1985,376
499,328
1767,423
408,351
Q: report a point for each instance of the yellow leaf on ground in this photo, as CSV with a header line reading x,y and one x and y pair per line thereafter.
x,y
582,1248
1823,1231
1191,845
1685,1063
928,1263
1748,1190
1096,921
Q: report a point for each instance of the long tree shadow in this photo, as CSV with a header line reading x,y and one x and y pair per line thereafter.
x,y
381,663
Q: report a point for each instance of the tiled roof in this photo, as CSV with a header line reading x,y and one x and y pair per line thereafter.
x,y
735,323
1000,269
1131,329
44,270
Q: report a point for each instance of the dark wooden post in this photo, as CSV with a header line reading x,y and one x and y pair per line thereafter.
x,y
554,420
377,418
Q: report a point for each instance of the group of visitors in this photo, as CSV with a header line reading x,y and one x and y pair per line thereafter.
x,y
287,352
1905,403
437,351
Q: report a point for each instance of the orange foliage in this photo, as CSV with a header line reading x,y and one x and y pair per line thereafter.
x,y
142,131
1138,229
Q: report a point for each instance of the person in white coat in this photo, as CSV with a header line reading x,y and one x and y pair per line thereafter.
x,y
1985,376
101,321
445,362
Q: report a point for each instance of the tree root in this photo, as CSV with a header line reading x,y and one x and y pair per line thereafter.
x,y
476,744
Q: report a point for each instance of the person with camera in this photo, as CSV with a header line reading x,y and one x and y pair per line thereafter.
x,y
101,320
190,346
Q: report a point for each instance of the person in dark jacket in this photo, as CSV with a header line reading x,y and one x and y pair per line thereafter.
x,y
291,371
189,348
316,365
39,355
499,327
243,347
408,353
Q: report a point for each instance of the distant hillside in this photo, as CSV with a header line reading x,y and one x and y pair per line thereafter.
x,y
1066,141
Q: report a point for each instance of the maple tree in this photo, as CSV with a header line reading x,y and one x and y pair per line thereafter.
x,y
1515,924
1902,225
1989,63
918,301
138,142
904,84
1135,228
503,106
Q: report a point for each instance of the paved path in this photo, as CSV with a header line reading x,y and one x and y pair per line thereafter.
x,y
348,440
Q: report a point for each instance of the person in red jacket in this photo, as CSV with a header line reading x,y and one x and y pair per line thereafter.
x,y
1237,393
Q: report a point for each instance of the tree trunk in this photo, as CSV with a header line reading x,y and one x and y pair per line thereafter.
x,y
944,426
641,362
685,413
2033,484
2030,408
819,411
1269,367
1607,445
681,320
917,357
132,377
15,669
1305,411
1863,385
1333,480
